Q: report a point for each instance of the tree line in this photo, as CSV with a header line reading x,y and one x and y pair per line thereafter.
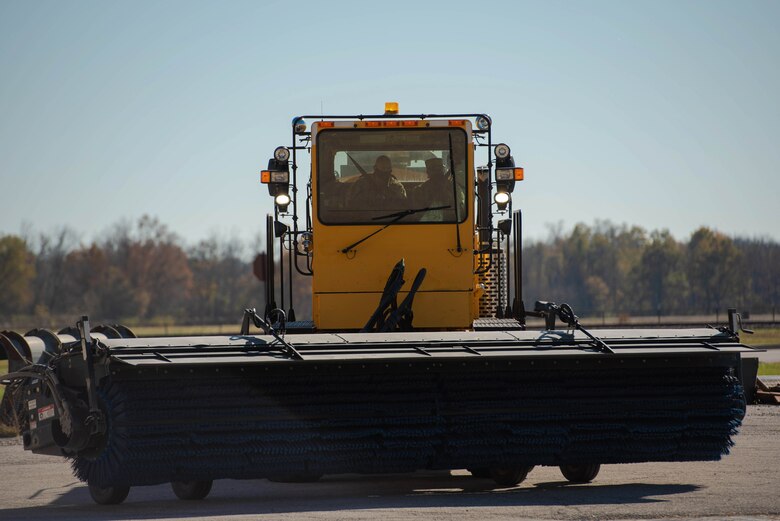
x,y
142,272
137,272
619,269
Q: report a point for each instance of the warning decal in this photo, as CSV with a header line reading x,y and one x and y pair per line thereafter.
x,y
44,413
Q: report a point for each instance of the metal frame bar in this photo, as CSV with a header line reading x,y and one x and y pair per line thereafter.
x,y
259,349
360,117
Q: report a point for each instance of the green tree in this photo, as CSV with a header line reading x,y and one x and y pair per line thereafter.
x,y
659,275
713,269
223,283
760,282
575,250
598,293
51,278
17,270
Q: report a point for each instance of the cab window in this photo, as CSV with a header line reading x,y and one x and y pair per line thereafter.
x,y
402,175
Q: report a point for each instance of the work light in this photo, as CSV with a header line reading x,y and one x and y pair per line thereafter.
x,y
282,154
502,200
502,151
282,201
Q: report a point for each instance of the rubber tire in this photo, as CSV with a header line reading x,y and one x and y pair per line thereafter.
x,y
303,477
108,495
580,473
481,473
509,477
190,490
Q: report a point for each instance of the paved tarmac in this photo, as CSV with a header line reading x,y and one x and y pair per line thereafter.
x,y
745,485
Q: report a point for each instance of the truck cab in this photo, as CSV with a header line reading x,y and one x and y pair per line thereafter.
x,y
387,188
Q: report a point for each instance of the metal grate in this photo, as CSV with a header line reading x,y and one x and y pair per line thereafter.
x,y
491,280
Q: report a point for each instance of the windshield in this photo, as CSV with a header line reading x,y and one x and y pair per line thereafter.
x,y
399,175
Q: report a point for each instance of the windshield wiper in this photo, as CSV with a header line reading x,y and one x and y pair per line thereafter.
x,y
397,216
360,168
411,212
454,194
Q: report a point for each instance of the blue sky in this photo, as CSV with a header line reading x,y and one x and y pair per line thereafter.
x,y
660,114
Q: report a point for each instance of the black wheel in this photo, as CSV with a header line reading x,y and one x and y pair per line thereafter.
x,y
482,473
580,473
108,495
509,477
303,477
191,489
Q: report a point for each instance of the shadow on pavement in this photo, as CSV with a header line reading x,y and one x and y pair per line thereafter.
x,y
336,493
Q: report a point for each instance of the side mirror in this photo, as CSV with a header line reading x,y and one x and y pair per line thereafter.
x,y
280,229
505,226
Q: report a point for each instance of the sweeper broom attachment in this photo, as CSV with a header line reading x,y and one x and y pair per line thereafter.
x,y
189,410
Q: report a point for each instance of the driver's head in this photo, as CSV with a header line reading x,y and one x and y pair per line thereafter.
x,y
383,166
434,167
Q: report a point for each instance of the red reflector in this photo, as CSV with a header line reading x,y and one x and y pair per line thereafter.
x,y
325,124
373,123
408,123
457,122
391,123
519,174
265,176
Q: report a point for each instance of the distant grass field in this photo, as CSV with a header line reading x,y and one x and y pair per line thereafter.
x,y
768,368
215,329
762,337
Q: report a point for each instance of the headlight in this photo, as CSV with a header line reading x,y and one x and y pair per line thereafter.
x,y
483,122
501,198
505,174
502,151
282,200
281,154
510,174
280,176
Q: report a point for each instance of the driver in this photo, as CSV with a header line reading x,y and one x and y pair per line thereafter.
x,y
378,190
436,191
